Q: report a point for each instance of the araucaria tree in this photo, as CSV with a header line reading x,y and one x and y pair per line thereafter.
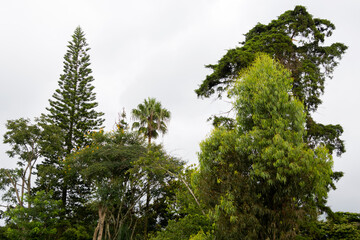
x,y
261,180
73,105
73,110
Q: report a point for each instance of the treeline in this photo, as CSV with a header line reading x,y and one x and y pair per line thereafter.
x,y
263,174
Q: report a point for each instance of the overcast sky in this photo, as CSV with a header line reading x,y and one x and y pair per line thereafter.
x,y
158,48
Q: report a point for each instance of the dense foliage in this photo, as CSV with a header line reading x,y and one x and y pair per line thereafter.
x,y
296,39
265,174
261,180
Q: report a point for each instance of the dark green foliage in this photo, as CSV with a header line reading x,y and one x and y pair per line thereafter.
x,y
105,165
342,225
40,221
72,109
124,176
158,171
73,105
188,218
296,40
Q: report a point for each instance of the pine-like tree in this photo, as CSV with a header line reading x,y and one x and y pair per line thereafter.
x,y
73,105
72,109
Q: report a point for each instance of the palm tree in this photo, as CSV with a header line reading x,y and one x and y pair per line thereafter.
x,y
152,118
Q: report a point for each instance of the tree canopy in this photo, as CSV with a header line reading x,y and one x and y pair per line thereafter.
x,y
260,178
152,118
296,39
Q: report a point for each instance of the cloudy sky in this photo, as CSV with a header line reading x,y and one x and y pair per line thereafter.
x,y
158,48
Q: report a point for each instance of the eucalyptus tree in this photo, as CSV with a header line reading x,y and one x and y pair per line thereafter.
x,y
261,180
297,40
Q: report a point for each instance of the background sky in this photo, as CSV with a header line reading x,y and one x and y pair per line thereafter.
x,y
158,48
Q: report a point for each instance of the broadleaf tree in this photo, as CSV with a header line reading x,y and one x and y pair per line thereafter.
x,y
297,40
29,142
261,180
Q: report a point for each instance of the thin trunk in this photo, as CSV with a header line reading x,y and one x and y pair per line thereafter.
x,y
100,226
133,231
188,187
147,209
13,182
29,186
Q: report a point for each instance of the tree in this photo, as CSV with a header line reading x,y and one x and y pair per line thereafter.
x,y
296,40
73,105
189,217
41,221
341,225
104,165
261,180
28,143
152,118
72,109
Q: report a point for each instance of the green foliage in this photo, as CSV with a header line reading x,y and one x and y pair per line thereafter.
x,y
72,109
40,221
158,171
296,39
105,165
73,105
28,142
124,175
152,118
184,228
261,178
342,225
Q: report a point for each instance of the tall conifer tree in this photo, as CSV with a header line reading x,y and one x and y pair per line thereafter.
x,y
72,109
73,105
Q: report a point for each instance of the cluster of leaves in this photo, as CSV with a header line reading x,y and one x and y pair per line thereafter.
x,y
261,180
296,39
340,225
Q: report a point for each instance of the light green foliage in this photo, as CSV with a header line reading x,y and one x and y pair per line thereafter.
x,y
261,178
28,142
297,40
40,221
183,228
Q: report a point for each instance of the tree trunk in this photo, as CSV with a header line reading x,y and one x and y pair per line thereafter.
x,y
147,209
98,233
